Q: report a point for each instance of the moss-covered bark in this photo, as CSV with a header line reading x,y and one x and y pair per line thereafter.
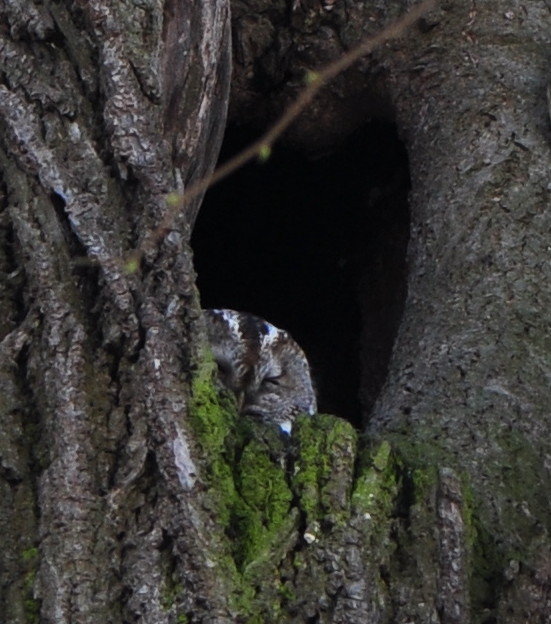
x,y
468,385
130,490
285,504
320,525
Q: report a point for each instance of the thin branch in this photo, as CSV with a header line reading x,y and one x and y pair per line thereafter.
x,y
316,81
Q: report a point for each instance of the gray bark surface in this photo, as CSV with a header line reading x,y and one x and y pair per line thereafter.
x,y
469,381
104,109
129,491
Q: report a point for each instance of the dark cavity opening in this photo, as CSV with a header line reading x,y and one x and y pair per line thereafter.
x,y
316,247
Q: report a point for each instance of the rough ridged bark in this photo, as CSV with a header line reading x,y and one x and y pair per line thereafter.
x,y
102,109
130,491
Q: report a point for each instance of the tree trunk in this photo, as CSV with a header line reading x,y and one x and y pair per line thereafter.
x,y
469,385
105,110
131,492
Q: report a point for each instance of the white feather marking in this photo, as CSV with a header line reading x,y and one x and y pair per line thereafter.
x,y
271,335
286,426
231,319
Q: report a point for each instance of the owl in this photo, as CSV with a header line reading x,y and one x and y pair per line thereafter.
x,y
262,365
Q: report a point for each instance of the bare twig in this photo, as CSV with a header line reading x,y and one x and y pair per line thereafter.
x,y
316,81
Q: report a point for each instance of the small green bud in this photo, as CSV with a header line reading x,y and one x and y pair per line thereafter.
x,y
264,153
173,199
131,265
311,77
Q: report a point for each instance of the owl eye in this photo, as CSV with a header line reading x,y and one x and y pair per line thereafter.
x,y
273,381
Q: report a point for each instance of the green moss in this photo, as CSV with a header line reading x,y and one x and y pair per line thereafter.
x,y
371,479
512,467
520,470
30,554
287,593
263,518
213,417
170,594
32,610
376,487
326,449
31,606
424,480
421,451
505,499
486,567
247,488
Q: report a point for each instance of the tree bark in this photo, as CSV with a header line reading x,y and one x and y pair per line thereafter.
x,y
105,110
469,383
130,490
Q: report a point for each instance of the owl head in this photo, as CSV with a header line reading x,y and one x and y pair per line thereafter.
x,y
262,365
281,387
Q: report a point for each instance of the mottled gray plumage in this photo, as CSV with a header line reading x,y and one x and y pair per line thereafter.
x,y
262,365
